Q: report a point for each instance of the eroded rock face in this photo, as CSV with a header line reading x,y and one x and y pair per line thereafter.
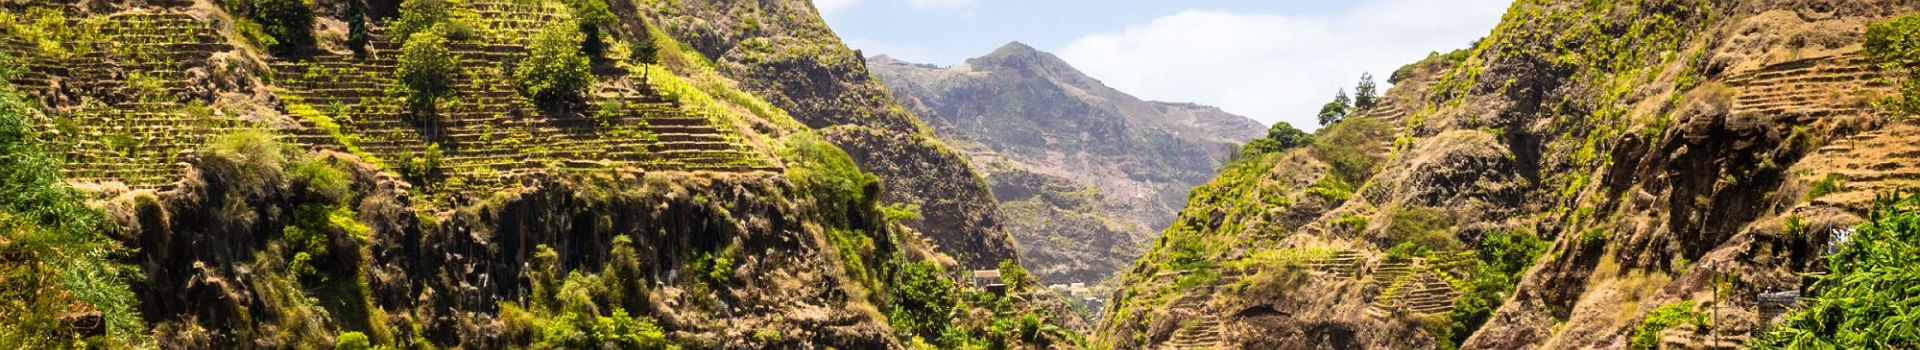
x,y
206,245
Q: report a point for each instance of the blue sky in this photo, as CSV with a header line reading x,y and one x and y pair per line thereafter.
x,y
1268,60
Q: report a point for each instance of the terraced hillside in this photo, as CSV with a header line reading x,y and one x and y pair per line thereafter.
x,y
254,195
122,82
1607,170
490,135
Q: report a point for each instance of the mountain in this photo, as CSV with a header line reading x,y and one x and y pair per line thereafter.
x,y
1591,175
482,174
1084,172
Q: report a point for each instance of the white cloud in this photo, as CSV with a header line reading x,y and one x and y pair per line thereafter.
x,y
1276,67
940,3
829,6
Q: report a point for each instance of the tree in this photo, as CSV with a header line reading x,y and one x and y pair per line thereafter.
x,y
1895,45
1364,96
426,70
591,16
1282,136
289,22
418,16
357,35
555,71
1333,111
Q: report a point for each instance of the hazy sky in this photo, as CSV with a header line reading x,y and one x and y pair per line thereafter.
x,y
1271,60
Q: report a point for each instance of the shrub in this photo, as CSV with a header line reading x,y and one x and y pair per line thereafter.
x,y
1647,335
352,341
426,70
1895,45
1331,189
555,72
1832,183
289,22
1014,276
425,165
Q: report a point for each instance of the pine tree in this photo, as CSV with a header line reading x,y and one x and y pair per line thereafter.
x,y
1364,94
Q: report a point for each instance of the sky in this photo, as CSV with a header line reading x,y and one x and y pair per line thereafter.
x,y
1270,60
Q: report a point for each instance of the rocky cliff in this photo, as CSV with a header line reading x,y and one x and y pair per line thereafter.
x,y
200,175
1085,172
1590,175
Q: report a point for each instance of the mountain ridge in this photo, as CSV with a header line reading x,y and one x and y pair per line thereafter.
x,y
1071,159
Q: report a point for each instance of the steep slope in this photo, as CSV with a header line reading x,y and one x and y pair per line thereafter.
x,y
1663,152
308,197
1062,133
784,51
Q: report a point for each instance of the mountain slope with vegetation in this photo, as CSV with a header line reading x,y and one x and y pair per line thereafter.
x,y
1590,175
475,174
1084,172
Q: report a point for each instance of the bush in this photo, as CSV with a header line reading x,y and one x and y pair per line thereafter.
x,y
1014,276
555,72
288,22
1331,189
1832,183
1895,45
352,341
1647,335
426,70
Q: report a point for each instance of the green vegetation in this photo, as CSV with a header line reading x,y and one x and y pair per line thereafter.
x,y
357,34
1331,189
567,312
590,16
1832,183
1280,137
1895,44
1335,110
555,72
1420,229
1867,299
1348,146
352,341
289,22
1503,257
55,255
426,70
1647,334
1365,95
